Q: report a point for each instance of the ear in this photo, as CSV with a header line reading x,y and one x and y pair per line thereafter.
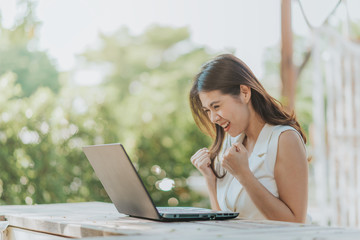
x,y
245,93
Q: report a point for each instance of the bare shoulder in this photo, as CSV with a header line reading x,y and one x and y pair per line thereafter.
x,y
290,136
291,147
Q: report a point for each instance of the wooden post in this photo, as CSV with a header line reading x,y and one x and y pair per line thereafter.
x,y
287,73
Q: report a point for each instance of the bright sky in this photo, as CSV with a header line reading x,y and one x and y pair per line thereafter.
x,y
249,26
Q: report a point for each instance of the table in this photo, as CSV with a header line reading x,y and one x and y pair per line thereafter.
x,y
100,220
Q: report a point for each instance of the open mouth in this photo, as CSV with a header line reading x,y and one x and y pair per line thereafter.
x,y
226,126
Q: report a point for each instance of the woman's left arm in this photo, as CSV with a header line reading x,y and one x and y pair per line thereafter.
x,y
291,176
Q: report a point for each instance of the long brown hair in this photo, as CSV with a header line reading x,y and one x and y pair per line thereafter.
x,y
226,73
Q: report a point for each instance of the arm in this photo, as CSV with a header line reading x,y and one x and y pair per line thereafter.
x,y
211,185
291,174
201,160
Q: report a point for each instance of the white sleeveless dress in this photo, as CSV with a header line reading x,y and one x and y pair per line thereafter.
x,y
230,193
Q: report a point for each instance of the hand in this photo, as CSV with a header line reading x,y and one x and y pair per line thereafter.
x,y
236,161
201,160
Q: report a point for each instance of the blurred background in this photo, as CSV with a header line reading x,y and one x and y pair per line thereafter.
x,y
75,73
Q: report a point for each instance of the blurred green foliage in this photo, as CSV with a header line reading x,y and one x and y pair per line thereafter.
x,y
18,54
40,139
147,89
304,91
45,118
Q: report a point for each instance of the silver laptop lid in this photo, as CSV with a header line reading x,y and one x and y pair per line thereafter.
x,y
120,180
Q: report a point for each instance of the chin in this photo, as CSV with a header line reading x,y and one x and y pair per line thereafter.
x,y
232,134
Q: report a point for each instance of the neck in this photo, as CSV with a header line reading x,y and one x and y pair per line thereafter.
x,y
255,126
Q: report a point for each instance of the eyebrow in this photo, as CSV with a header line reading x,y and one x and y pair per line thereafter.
x,y
211,104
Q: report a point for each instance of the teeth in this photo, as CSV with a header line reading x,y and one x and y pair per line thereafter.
x,y
226,125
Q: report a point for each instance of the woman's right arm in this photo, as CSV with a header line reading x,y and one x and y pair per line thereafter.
x,y
201,160
211,185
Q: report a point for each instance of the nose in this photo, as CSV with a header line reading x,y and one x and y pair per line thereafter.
x,y
214,117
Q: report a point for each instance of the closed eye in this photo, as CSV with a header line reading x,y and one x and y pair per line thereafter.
x,y
206,111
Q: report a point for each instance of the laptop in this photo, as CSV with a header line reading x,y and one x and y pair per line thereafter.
x,y
126,190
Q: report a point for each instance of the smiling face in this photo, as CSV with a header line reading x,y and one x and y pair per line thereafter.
x,y
230,112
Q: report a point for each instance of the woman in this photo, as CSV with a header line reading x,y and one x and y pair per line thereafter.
x,y
257,164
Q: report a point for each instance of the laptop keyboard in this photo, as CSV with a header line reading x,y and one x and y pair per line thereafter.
x,y
183,209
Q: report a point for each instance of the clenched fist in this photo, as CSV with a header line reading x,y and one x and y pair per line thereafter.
x,y
235,160
201,160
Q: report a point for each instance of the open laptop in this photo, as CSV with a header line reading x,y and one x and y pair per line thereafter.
x,y
126,190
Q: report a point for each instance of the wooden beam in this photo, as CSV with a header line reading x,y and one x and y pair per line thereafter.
x,y
288,76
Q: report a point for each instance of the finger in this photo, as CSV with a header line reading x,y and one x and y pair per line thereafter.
x,y
205,161
199,160
199,156
233,149
240,146
195,156
209,163
199,152
202,153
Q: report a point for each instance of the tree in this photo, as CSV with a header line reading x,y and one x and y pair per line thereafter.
x,y
149,84
19,54
40,144
142,103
